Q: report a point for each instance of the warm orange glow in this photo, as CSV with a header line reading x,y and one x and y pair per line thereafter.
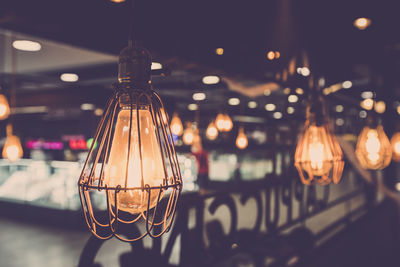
x,y
380,107
367,104
318,154
395,142
212,131
277,54
224,122
271,55
219,51
241,140
4,107
144,169
117,1
176,125
188,134
373,148
362,23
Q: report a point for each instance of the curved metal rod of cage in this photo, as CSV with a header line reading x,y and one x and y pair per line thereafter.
x,y
159,216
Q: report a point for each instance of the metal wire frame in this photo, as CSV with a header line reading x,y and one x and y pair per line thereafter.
x,y
334,175
158,219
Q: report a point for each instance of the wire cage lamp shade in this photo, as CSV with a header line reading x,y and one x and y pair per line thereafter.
x,y
318,156
395,142
132,165
373,148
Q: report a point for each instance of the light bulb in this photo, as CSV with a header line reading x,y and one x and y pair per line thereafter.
x,y
146,169
12,149
228,124
395,142
318,154
241,139
220,122
188,134
373,148
4,108
176,125
212,131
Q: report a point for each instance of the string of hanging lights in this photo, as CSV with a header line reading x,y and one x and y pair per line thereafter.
x,y
4,107
134,164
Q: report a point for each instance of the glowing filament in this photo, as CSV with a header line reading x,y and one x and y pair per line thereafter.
x,y
144,166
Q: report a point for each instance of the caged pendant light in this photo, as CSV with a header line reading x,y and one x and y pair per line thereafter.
x,y
395,142
134,166
188,134
318,156
223,122
12,149
176,125
212,131
373,148
241,139
4,107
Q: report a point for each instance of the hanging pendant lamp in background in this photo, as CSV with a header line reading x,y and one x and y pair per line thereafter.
x,y
12,149
228,123
223,122
395,142
188,134
373,148
4,107
318,156
241,139
176,125
212,131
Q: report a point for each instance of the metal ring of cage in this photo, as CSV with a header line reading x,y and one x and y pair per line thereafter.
x,y
158,219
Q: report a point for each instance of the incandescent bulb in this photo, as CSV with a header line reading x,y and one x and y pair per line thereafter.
x,y
220,122
395,141
4,108
176,125
212,131
317,154
228,124
188,134
373,148
241,139
144,161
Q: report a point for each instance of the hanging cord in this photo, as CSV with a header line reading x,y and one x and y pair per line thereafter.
x,y
241,112
13,97
132,28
